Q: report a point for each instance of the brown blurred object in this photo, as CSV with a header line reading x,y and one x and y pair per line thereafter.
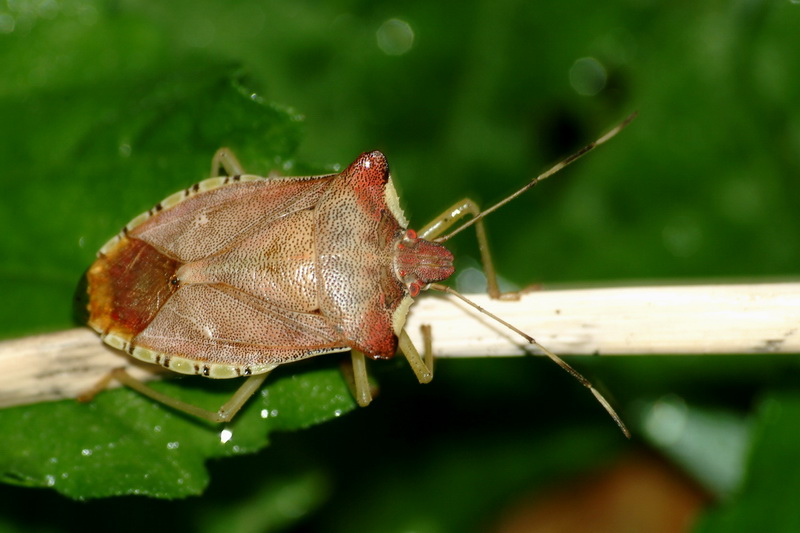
x,y
639,493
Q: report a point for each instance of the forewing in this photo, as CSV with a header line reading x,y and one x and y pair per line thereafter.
x,y
219,325
205,219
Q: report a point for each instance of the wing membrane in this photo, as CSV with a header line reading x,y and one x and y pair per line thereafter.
x,y
217,324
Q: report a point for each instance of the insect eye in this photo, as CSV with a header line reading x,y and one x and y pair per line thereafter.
x,y
413,289
410,235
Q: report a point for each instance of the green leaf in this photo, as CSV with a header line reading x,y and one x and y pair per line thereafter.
x,y
123,443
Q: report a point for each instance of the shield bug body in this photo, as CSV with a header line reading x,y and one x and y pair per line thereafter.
x,y
239,274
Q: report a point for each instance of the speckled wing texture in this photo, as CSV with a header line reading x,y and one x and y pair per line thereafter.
x,y
357,236
224,277
256,272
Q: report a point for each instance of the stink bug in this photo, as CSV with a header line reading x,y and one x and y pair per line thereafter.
x,y
239,274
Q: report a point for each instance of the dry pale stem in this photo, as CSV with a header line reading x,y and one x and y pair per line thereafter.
x,y
698,319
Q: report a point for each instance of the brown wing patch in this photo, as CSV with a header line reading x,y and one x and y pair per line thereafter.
x,y
128,287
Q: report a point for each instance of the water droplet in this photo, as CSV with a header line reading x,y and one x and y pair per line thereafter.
x,y
225,435
395,37
587,76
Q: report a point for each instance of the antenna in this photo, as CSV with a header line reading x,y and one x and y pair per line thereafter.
x,y
541,177
553,357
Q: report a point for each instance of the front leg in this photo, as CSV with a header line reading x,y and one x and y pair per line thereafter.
x,y
455,213
422,365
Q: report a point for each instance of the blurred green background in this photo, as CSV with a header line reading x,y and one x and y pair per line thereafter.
x,y
107,107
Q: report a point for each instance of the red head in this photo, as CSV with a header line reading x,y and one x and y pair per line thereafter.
x,y
419,262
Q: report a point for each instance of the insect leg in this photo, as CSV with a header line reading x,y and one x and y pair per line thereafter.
x,y
225,163
455,213
224,414
421,365
356,372
229,409
358,380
